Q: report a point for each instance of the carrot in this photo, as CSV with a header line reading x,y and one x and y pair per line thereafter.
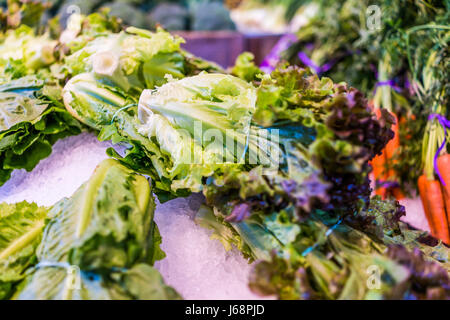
x,y
398,193
378,163
394,143
437,209
422,184
391,149
443,164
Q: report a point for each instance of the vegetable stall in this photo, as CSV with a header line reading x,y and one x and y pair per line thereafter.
x,y
280,157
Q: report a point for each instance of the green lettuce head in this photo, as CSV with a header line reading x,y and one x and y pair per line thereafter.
x,y
133,60
204,124
22,48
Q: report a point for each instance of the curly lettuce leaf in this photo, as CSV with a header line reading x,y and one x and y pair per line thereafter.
x,y
23,13
222,231
346,133
245,68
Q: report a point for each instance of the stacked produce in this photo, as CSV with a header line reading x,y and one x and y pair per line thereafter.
x,y
282,160
397,54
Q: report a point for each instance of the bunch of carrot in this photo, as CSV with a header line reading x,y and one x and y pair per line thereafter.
x,y
386,97
435,193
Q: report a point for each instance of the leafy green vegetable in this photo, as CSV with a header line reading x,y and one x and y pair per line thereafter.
x,y
171,16
141,282
134,60
224,232
108,109
120,66
218,105
337,262
32,120
21,227
244,67
291,190
316,245
34,52
330,39
32,117
100,243
333,122
129,14
107,223
323,257
137,281
114,114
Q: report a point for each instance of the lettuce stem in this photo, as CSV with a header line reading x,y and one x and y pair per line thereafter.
x,y
90,194
23,241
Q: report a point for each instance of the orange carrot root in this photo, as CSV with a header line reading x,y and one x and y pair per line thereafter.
x,y
394,143
422,184
437,209
378,164
443,163
391,150
398,194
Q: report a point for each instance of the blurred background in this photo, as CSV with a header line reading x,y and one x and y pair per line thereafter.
x,y
216,30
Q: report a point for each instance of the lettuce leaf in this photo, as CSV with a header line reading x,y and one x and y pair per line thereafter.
x,y
107,223
132,60
141,282
24,47
114,113
32,119
100,243
194,119
21,228
328,262
244,67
